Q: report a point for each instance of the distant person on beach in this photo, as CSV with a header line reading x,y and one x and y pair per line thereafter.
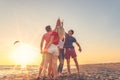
x,y
46,39
70,51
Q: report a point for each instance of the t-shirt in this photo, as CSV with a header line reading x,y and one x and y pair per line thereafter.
x,y
56,38
69,41
47,37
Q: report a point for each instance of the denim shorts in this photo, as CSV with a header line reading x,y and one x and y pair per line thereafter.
x,y
53,49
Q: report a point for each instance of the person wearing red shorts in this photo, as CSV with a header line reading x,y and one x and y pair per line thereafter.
x,y
70,51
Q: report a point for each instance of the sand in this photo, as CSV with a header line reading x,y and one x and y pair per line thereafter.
x,y
109,71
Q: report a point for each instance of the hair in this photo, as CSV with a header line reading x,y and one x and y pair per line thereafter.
x,y
72,31
48,28
61,32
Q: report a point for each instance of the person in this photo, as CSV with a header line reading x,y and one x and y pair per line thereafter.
x,y
46,39
61,33
53,47
70,51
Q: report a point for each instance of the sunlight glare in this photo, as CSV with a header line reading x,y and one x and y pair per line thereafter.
x,y
23,66
24,54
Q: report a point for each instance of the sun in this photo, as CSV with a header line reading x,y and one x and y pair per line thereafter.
x,y
24,54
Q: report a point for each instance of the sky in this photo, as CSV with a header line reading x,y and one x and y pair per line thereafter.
x,y
96,24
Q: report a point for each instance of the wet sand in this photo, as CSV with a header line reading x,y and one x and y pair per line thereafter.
x,y
109,71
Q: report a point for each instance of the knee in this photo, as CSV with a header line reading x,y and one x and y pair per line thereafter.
x,y
75,59
61,62
68,61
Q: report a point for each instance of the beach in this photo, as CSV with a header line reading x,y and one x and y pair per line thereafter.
x,y
104,71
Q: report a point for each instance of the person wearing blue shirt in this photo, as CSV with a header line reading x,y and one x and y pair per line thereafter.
x,y
70,51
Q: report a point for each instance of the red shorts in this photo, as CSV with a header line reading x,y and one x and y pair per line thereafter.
x,y
70,52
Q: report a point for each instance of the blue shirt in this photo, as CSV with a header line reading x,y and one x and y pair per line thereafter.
x,y
69,41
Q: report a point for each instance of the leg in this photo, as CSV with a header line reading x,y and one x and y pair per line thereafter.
x,y
54,66
68,65
76,63
59,63
46,61
60,66
41,65
67,56
74,56
61,60
50,70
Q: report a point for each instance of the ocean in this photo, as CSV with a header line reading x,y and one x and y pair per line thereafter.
x,y
6,70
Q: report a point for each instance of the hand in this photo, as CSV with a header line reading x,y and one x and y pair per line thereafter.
x,y
45,50
41,51
80,49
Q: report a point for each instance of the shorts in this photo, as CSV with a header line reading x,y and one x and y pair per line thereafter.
x,y
70,52
53,49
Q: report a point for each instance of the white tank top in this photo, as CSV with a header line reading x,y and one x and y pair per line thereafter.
x,y
61,44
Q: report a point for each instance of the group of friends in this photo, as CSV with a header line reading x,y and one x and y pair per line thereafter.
x,y
58,45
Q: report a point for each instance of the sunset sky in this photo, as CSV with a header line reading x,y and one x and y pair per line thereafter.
x,y
96,24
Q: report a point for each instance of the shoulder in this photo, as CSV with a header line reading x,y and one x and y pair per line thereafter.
x,y
66,34
48,33
44,34
73,38
53,33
